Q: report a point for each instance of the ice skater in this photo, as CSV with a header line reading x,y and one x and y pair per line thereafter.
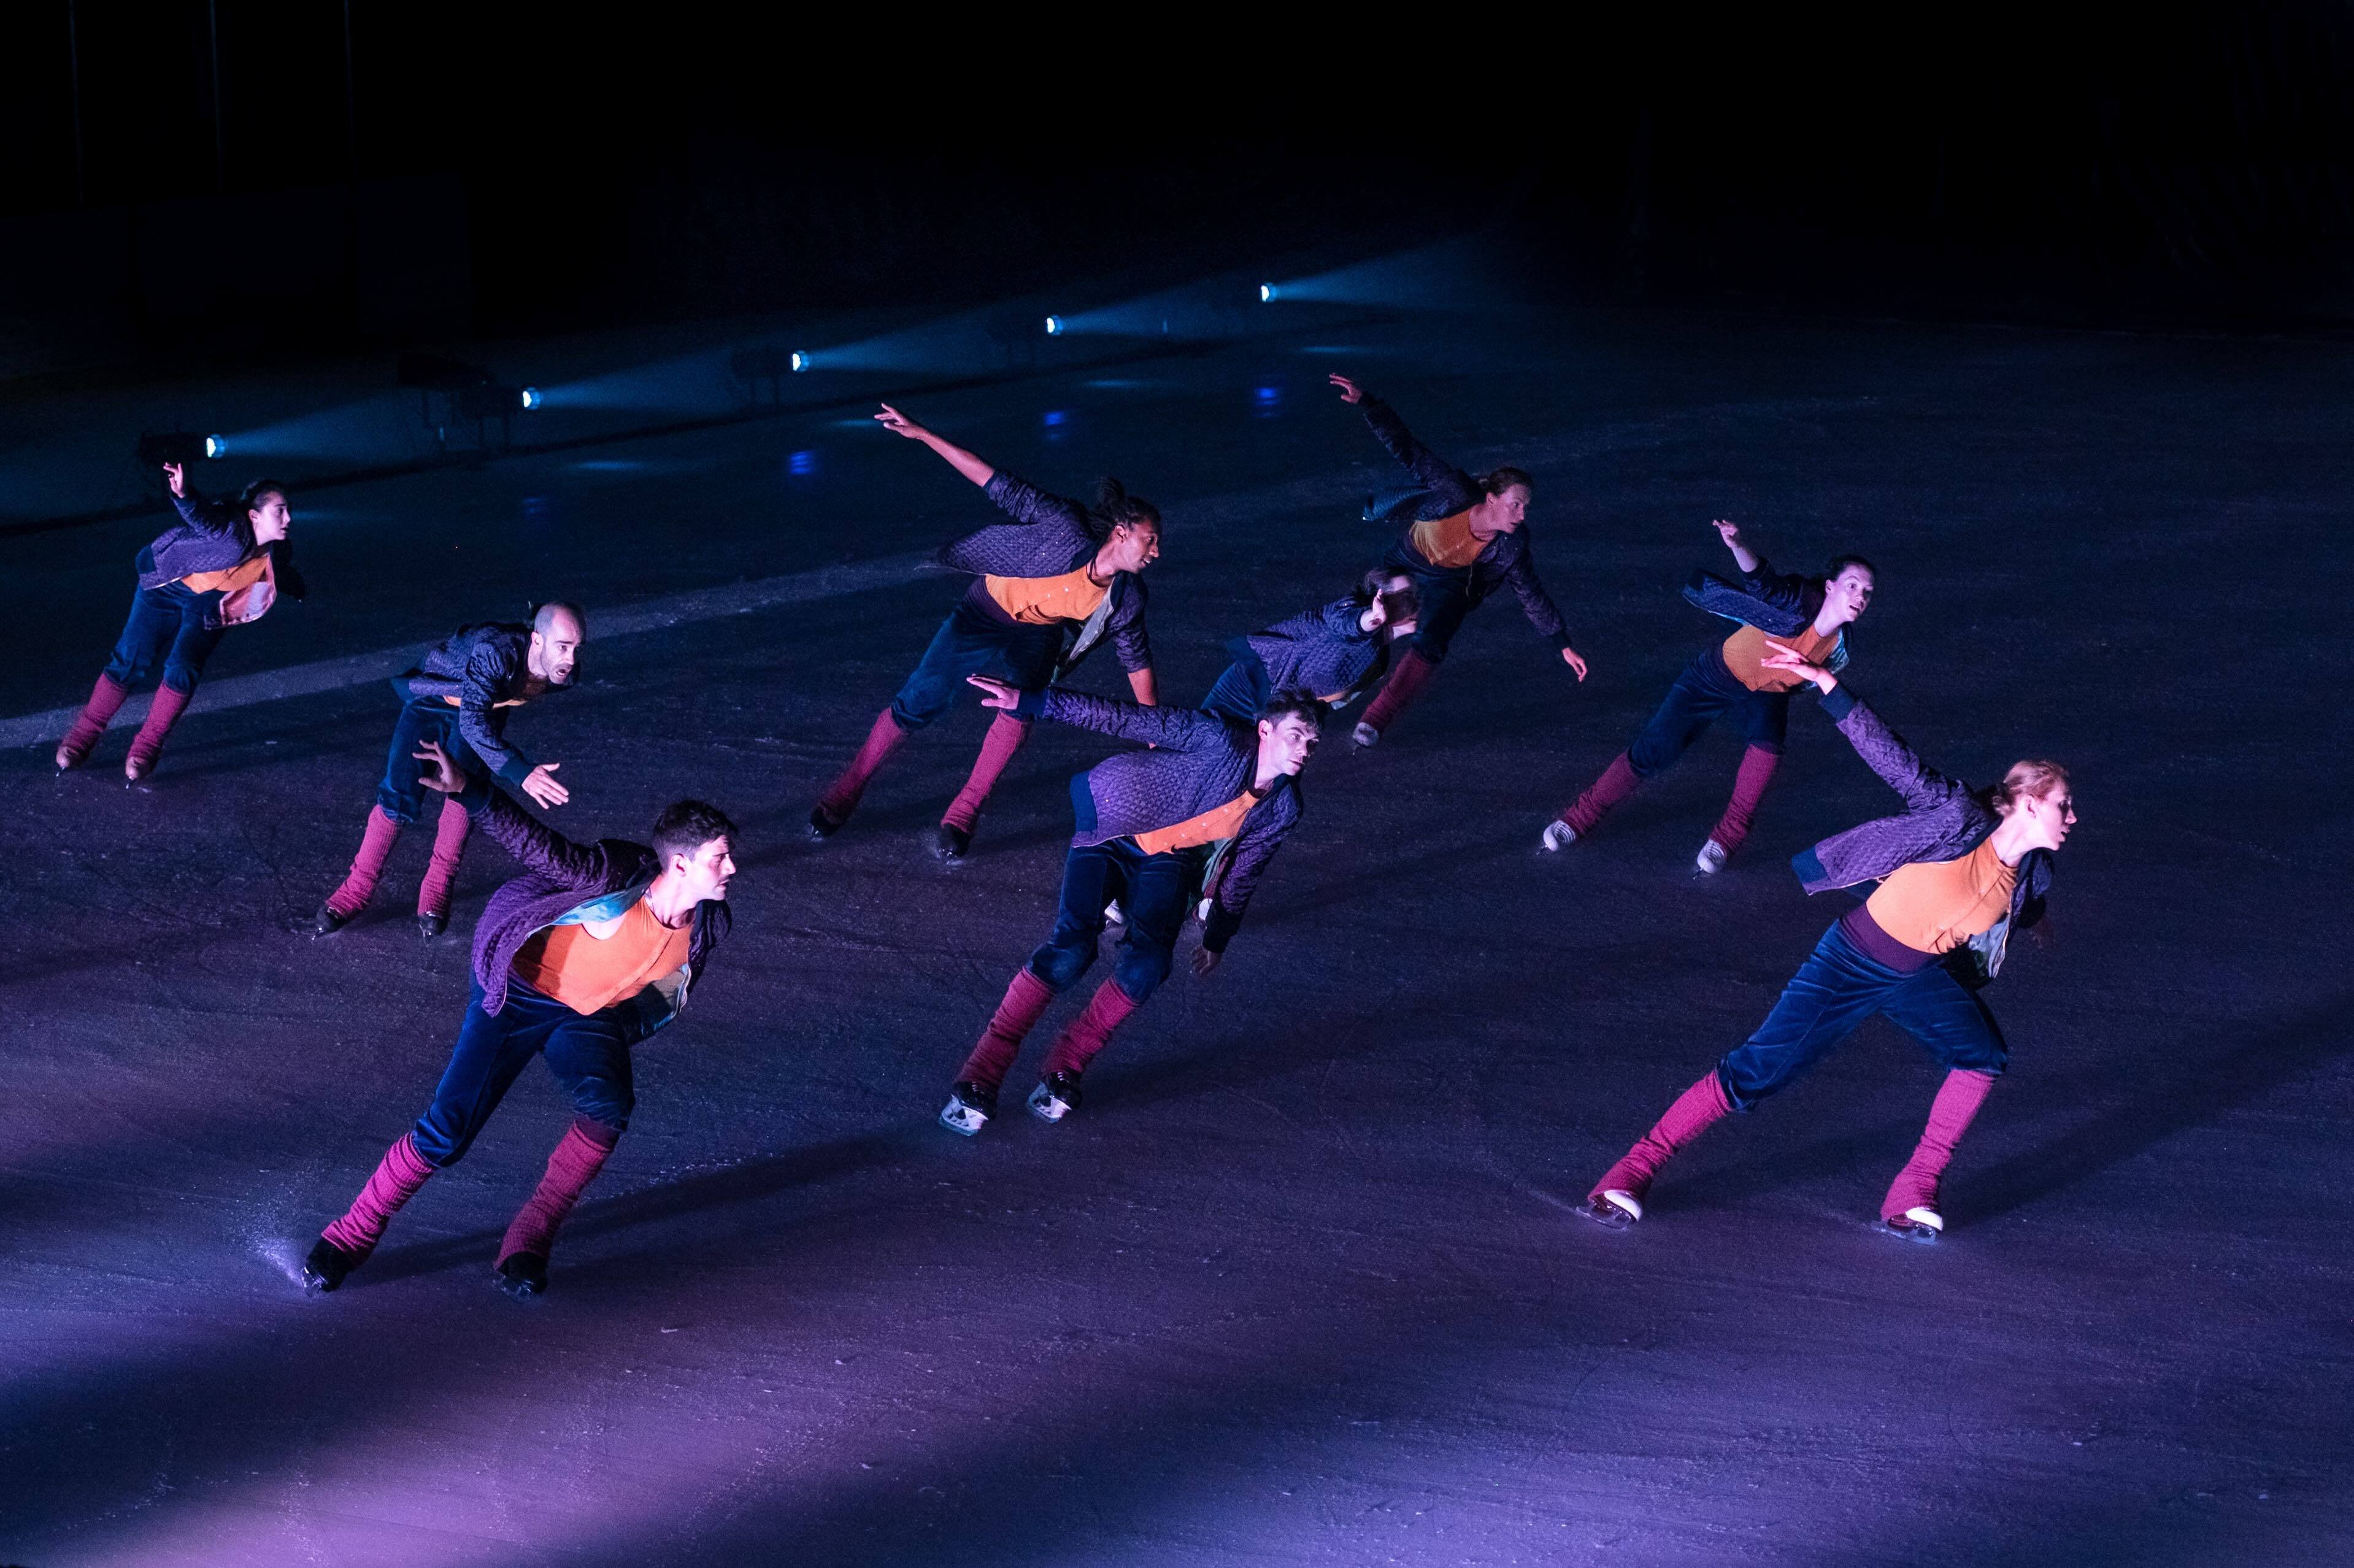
x,y
594,947
1047,588
1960,871
459,697
1333,652
223,563
1146,823
1467,537
1812,613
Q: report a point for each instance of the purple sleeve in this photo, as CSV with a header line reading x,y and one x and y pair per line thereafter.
x,y
1170,728
1922,786
1025,503
1128,636
1535,603
535,845
479,691
1427,466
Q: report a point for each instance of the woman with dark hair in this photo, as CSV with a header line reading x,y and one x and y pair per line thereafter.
x,y
1334,653
1958,871
1734,678
1464,540
1047,587
223,563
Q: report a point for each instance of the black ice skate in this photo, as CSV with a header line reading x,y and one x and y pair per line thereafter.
x,y
1056,1095
968,1108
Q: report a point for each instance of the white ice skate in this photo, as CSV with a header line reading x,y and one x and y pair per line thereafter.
x,y
1363,736
1711,859
965,1113
1615,1209
1558,835
1920,1225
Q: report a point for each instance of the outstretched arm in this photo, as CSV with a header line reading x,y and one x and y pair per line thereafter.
x,y
1427,466
1922,786
1743,556
1169,729
1539,607
536,845
956,457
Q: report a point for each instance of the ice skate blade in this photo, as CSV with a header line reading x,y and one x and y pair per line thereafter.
x,y
1612,1210
1925,1230
962,1119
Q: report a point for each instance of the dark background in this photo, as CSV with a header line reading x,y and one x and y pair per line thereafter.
x,y
375,172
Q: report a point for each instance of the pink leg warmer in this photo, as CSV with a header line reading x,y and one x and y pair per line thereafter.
x,y
1406,682
96,713
1005,737
1617,782
841,797
1749,783
449,843
359,884
1090,1031
1025,1000
579,1156
1695,1110
1951,1114
148,744
396,1179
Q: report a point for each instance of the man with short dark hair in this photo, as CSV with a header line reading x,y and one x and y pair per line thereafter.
x,y
1464,538
1147,821
589,951
458,698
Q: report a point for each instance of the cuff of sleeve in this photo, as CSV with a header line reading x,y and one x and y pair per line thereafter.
x,y
515,768
1837,702
1808,865
475,796
1561,641
1032,705
1221,927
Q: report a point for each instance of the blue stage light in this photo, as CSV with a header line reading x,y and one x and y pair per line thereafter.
x,y
530,397
1054,417
1054,326
803,462
799,361
215,446
1267,293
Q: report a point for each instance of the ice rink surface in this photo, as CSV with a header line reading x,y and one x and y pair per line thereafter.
x,y
1301,1283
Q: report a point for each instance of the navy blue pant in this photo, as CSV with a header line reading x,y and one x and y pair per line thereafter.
x,y
1446,600
1704,692
972,642
1240,691
589,1057
166,624
1834,992
399,794
1153,891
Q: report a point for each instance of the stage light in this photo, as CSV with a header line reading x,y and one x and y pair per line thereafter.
x,y
799,361
802,462
1054,417
215,447
529,397
1054,326
159,448
1267,293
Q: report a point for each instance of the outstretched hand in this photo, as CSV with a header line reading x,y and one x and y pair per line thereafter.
x,y
1569,657
441,775
1728,531
541,786
1782,656
1205,960
996,694
175,474
1350,391
898,424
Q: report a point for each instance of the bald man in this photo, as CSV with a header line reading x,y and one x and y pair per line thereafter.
x,y
459,699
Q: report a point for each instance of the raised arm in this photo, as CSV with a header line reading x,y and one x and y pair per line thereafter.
x,y
1427,466
955,456
535,845
1743,556
1169,729
1922,786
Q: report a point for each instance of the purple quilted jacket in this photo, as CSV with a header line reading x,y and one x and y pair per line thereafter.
x,y
1201,762
563,878
481,666
1052,534
211,536
1325,650
1943,819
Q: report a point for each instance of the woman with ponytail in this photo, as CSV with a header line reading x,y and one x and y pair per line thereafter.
x,y
1958,871
223,563
1047,588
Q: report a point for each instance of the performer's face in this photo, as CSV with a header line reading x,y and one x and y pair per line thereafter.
x,y
554,652
1133,546
2049,816
270,519
1849,595
705,873
1507,510
1287,743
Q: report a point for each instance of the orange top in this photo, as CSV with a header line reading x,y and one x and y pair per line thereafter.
x,y
1933,906
588,973
1447,541
1745,647
1222,822
246,573
1043,601
502,702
